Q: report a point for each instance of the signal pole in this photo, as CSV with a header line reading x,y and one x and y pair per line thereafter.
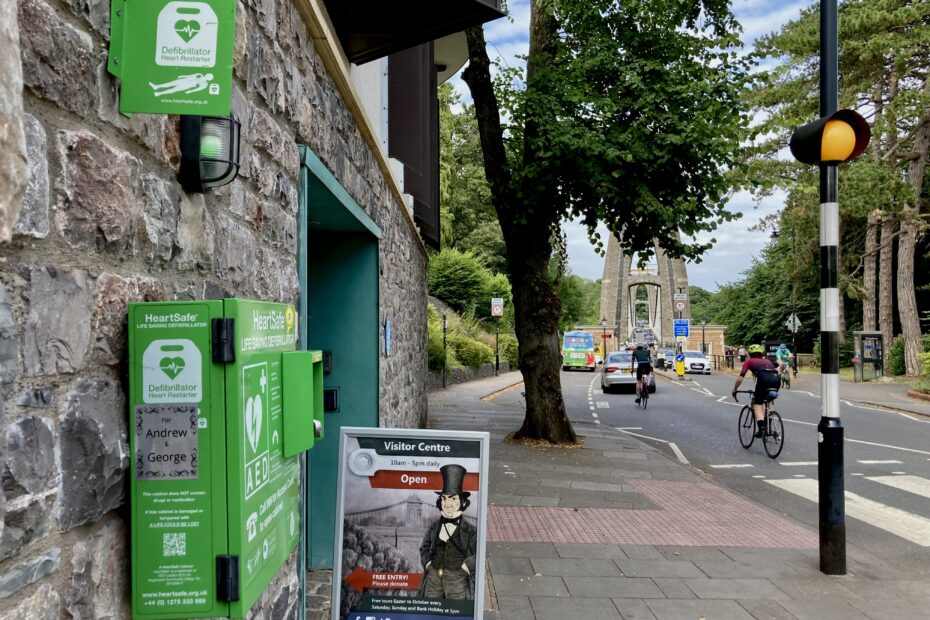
x,y
831,486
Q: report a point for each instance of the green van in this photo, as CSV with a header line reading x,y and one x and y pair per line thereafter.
x,y
578,351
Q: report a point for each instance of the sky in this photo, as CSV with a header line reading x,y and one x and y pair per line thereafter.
x,y
735,242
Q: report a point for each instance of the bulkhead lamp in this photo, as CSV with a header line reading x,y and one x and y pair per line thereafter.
x,y
209,152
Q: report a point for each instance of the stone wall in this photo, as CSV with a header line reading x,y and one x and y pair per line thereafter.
x,y
102,222
463,374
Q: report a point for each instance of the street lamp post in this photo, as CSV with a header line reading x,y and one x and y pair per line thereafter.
x,y
703,341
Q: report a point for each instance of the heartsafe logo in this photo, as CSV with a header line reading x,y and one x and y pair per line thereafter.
x,y
172,366
253,421
187,29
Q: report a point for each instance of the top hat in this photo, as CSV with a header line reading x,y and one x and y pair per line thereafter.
x,y
452,478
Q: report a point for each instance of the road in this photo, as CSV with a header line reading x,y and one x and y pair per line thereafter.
x,y
887,454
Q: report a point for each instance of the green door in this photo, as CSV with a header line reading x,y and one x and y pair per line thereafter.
x,y
338,264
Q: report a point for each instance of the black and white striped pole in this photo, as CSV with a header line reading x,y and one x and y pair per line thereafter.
x,y
838,136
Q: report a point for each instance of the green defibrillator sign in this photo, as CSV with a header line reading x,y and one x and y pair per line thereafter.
x,y
173,57
215,388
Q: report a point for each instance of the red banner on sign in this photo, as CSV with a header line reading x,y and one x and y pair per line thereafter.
x,y
420,480
362,580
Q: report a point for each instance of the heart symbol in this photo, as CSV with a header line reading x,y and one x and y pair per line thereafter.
x,y
253,421
187,29
172,366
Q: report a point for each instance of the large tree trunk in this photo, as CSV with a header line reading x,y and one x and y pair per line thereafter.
x,y
869,318
907,299
536,303
886,288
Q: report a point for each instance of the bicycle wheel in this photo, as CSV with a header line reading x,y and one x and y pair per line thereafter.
x,y
644,398
774,438
786,380
747,427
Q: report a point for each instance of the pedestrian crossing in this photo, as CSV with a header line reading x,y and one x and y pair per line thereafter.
x,y
912,527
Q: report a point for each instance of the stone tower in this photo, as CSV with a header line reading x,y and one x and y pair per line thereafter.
x,y
622,299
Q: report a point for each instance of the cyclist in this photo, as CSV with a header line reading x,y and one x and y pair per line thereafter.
x,y
767,379
643,361
784,356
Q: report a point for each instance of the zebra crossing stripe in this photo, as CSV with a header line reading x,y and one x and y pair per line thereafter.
x,y
901,523
911,484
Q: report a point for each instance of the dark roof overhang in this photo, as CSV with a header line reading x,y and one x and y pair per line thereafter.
x,y
372,29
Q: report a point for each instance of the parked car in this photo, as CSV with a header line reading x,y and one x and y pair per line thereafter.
x,y
696,362
665,358
619,372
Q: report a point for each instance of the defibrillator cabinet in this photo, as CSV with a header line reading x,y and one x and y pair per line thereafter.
x,y
221,405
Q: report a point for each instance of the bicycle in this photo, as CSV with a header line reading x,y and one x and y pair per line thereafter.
x,y
773,433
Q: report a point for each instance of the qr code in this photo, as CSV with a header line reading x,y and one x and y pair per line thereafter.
x,y
174,544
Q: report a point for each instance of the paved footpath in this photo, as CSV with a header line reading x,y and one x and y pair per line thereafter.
x,y
614,529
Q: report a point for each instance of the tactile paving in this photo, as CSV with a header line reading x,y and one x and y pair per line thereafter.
x,y
690,514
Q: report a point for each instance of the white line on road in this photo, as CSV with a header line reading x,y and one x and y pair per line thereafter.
x,y
594,415
808,393
911,484
597,421
898,522
732,466
602,404
799,422
638,435
759,476
884,445
678,453
879,462
723,400
798,463
629,428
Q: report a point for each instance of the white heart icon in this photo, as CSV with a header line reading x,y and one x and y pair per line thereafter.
x,y
253,421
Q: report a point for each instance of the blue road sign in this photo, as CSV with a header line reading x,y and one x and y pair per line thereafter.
x,y
680,357
682,327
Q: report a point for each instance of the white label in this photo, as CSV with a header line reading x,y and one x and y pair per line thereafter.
x,y
172,372
186,35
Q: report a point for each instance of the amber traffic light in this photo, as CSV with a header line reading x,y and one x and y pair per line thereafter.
x,y
834,139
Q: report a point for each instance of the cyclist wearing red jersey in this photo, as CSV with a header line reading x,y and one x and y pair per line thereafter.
x,y
766,379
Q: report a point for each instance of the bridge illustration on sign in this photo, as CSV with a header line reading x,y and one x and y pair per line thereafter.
x,y
639,300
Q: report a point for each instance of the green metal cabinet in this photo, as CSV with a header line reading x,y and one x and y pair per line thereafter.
x,y
221,406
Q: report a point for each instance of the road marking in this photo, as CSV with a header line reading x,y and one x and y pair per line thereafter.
x,y
808,393
638,435
884,445
594,415
696,383
800,476
602,404
704,391
591,407
732,466
911,484
899,473
799,422
597,421
678,453
629,428
798,463
857,474
759,476
880,462
894,520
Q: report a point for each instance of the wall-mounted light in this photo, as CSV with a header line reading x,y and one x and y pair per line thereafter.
x,y
209,151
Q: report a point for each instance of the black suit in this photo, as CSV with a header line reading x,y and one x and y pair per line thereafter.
x,y
442,562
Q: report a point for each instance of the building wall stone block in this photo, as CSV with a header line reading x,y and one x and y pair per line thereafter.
x,y
29,466
42,604
29,572
13,165
59,61
56,337
98,196
94,452
33,217
100,571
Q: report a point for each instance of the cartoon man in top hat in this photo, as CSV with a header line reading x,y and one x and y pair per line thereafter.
x,y
449,547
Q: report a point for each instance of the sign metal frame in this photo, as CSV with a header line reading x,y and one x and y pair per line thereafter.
x,y
379,466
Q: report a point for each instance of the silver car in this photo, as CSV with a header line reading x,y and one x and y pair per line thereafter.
x,y
619,371
696,362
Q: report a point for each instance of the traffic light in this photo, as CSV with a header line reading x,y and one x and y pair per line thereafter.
x,y
834,139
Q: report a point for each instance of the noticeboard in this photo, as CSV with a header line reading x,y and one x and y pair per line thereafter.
x,y
682,327
411,525
173,56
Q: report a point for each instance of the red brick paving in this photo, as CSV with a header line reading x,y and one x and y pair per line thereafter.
x,y
696,514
